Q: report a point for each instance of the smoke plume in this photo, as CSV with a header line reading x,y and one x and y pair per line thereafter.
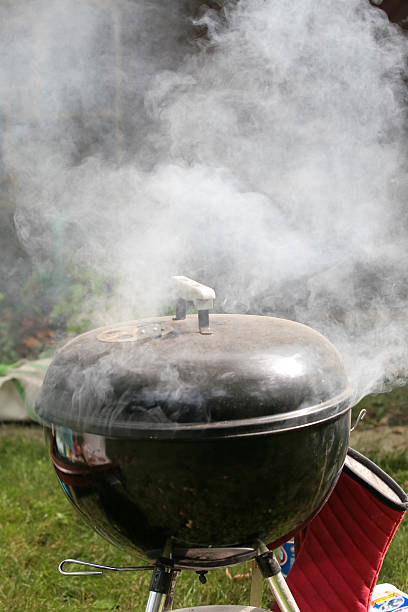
x,y
257,146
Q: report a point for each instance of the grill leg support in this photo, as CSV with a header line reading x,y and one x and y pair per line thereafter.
x,y
168,604
271,571
155,602
160,595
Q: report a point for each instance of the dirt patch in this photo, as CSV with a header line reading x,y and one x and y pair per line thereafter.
x,y
28,430
380,438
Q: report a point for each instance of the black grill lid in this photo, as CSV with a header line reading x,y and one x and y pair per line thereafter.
x,y
161,377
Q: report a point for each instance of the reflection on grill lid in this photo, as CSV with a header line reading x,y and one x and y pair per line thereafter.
x,y
160,377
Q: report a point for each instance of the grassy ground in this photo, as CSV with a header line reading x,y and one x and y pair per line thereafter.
x,y
38,528
386,408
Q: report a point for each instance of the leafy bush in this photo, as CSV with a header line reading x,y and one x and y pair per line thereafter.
x,y
50,303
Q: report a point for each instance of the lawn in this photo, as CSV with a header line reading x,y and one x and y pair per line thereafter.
x,y
38,528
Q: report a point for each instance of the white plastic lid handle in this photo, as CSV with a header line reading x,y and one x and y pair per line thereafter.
x,y
191,291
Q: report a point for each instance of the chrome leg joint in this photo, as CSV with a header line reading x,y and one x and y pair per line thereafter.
x,y
271,571
161,589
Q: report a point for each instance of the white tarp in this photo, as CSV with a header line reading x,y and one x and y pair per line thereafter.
x,y
19,387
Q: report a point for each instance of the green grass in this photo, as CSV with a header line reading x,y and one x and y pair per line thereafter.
x,y
389,408
38,528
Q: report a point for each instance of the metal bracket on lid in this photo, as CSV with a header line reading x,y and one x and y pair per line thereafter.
x,y
188,290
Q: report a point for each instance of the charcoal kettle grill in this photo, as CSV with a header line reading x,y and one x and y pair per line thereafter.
x,y
190,440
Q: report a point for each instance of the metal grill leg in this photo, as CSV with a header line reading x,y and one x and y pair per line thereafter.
x,y
168,604
160,588
282,594
271,571
155,602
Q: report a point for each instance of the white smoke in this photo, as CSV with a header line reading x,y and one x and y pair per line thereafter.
x,y
266,158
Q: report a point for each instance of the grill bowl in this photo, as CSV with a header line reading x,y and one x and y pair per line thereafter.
x,y
254,458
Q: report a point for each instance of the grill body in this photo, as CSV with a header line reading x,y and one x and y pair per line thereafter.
x,y
206,500
170,442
